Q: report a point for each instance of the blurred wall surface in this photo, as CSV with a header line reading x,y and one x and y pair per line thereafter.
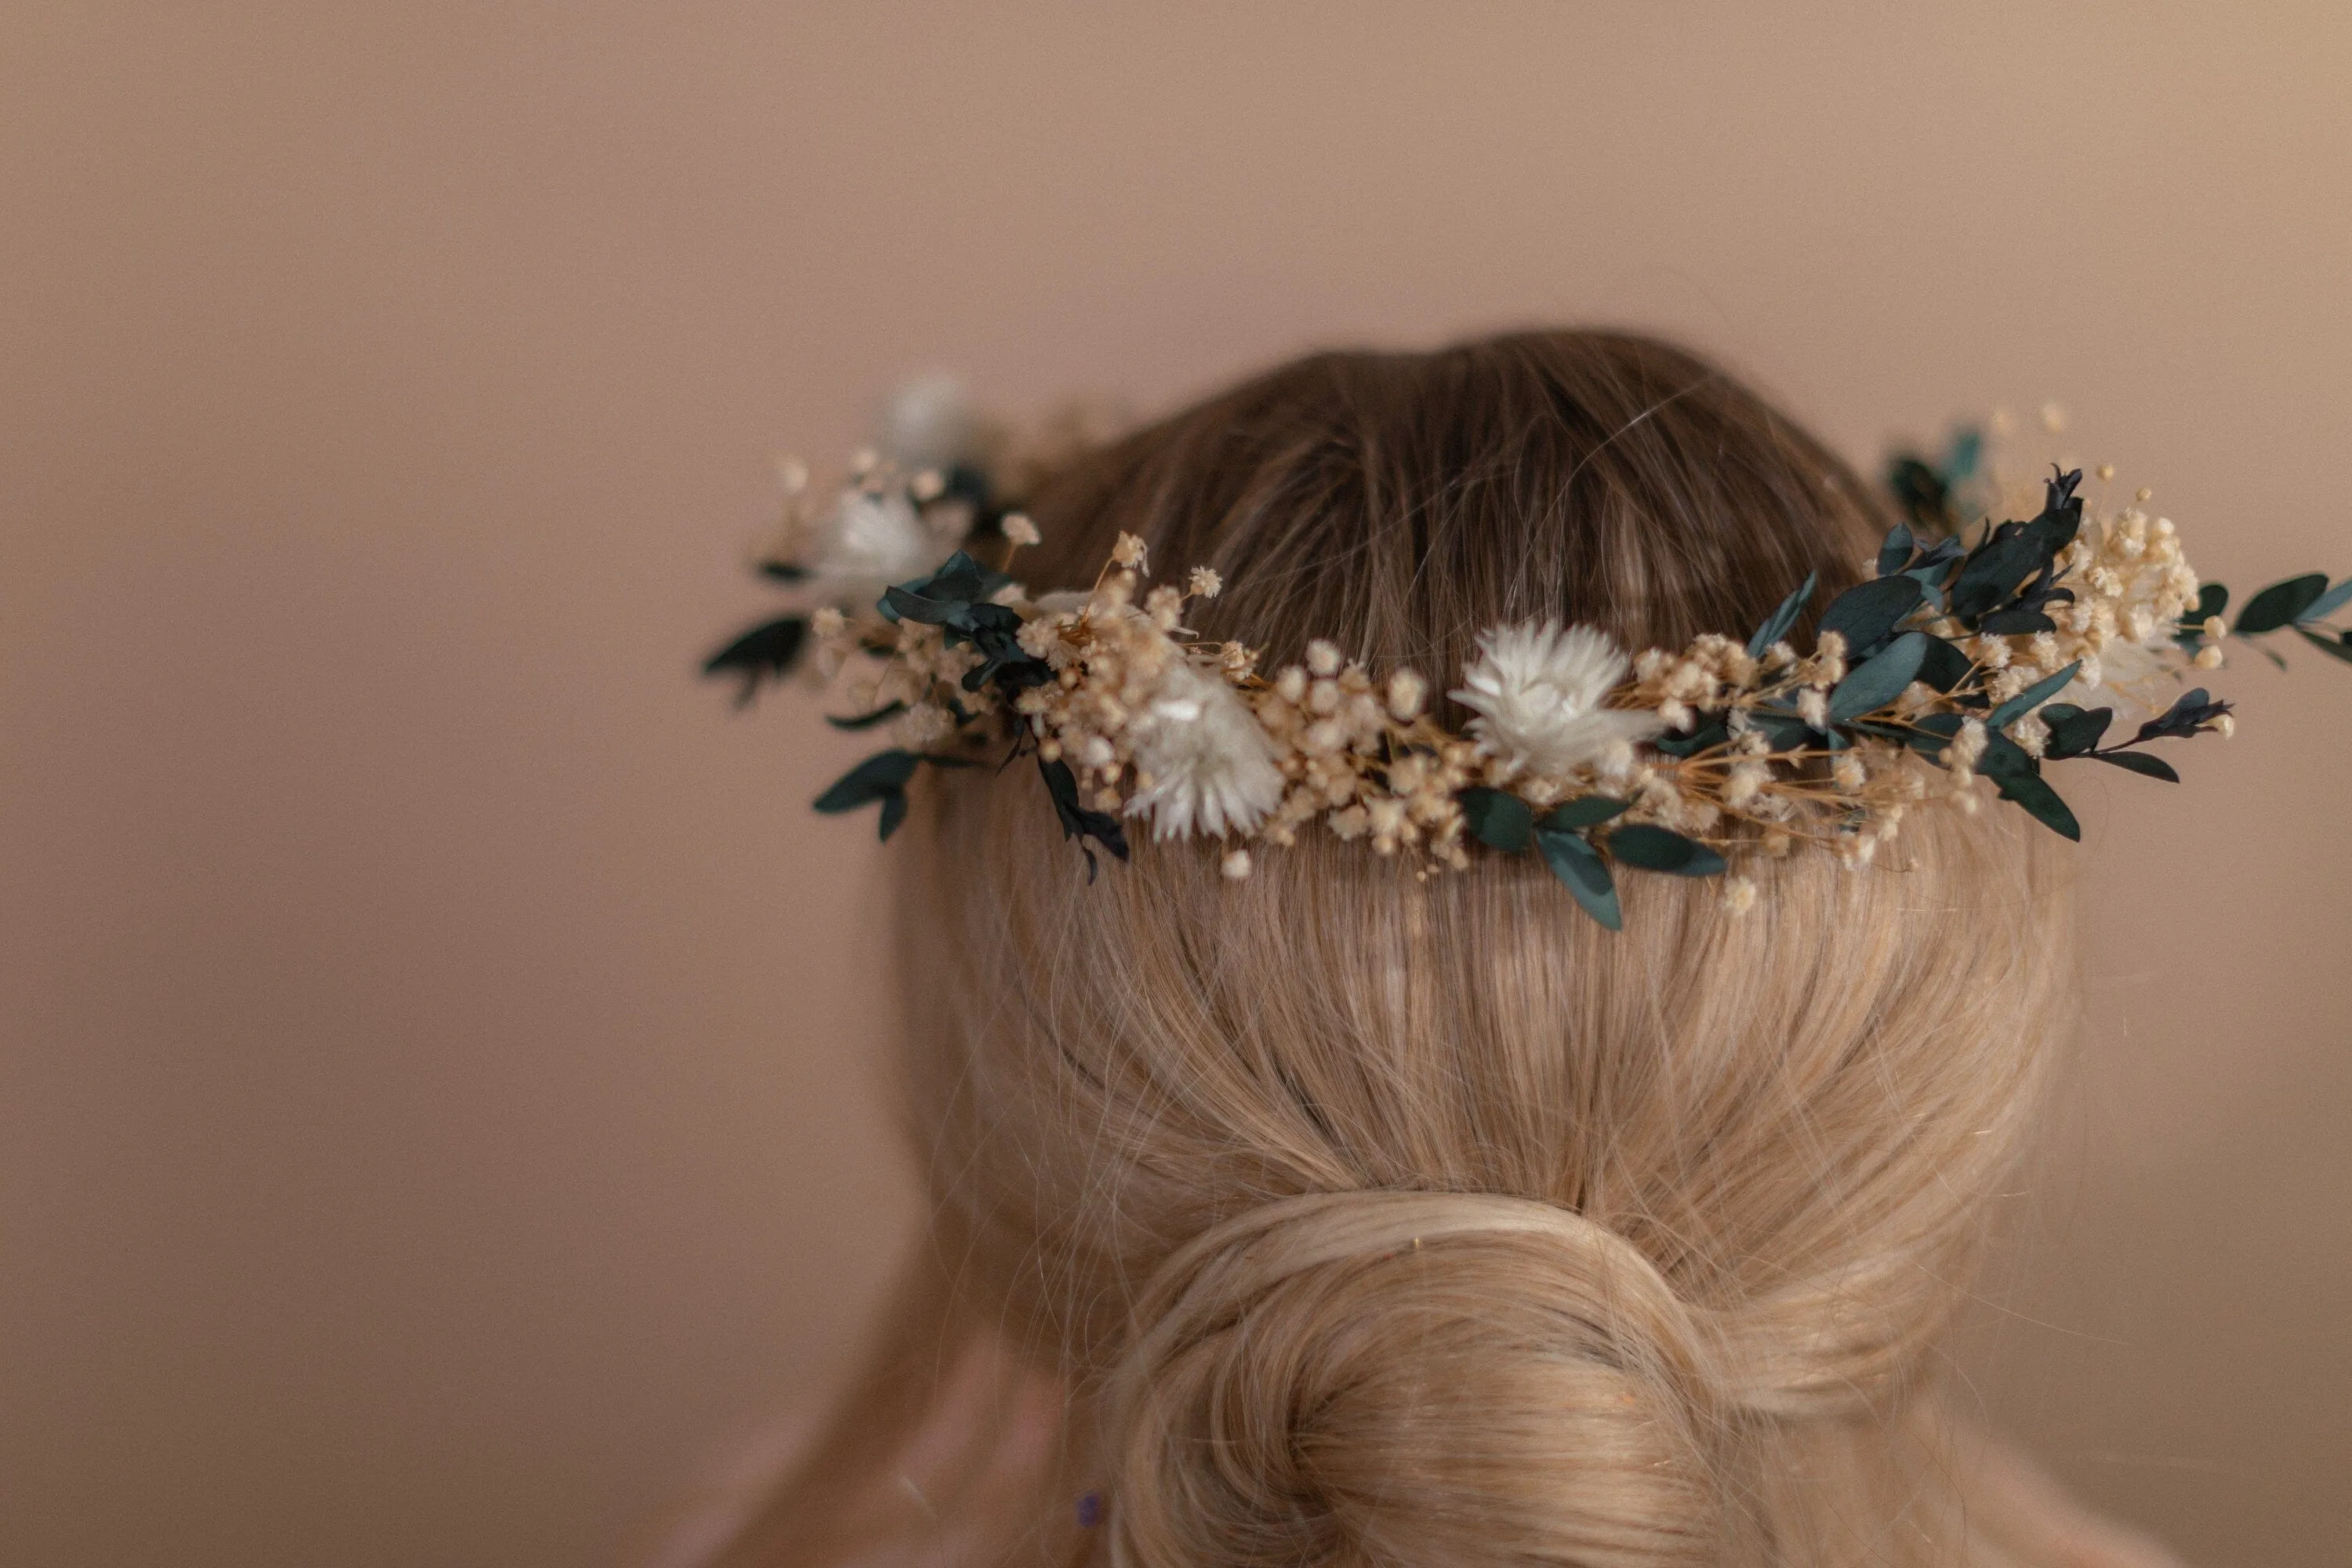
x,y
439,1101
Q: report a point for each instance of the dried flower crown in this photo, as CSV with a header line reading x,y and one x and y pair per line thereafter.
x,y
1978,650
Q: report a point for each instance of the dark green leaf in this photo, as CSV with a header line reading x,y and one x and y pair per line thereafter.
x,y
2281,603
2072,731
947,596
2016,623
2333,649
1584,811
1993,570
763,653
1961,455
2328,604
1711,733
2033,792
1894,553
2192,711
1777,627
1656,849
1078,821
2062,513
1785,730
2140,763
902,604
1498,819
1944,666
1867,612
1586,875
867,720
2004,758
1879,680
881,777
1931,733
1920,490
2032,697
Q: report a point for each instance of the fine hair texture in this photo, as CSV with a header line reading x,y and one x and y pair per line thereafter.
x,y
1378,1222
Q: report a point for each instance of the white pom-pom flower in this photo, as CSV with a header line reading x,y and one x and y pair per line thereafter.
x,y
930,423
1538,689
871,540
1212,768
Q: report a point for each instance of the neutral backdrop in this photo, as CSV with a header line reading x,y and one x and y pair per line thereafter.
x,y
439,1109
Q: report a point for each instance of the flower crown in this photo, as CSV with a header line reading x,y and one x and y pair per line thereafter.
x,y
1975,650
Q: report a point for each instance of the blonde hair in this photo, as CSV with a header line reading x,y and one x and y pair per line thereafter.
x,y
1370,1221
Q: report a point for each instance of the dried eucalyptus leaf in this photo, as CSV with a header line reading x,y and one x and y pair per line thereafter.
x,y
1498,819
1579,866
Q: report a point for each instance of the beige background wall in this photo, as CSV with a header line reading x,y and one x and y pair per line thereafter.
x,y
438,1100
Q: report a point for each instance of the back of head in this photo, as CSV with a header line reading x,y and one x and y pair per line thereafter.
x,y
1373,1219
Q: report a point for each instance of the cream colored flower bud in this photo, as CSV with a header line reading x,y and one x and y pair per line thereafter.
x,y
2225,726
828,622
1407,692
1017,528
1128,553
1813,707
2208,657
1291,684
1738,894
1204,584
1235,865
1968,746
1323,657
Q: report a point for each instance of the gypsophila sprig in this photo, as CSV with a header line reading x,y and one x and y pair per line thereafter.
x,y
1974,652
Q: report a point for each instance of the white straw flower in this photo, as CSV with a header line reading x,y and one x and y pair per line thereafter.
x,y
873,541
931,422
1538,690
1212,768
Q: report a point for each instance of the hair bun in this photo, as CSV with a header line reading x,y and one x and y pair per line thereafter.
x,y
1443,1379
